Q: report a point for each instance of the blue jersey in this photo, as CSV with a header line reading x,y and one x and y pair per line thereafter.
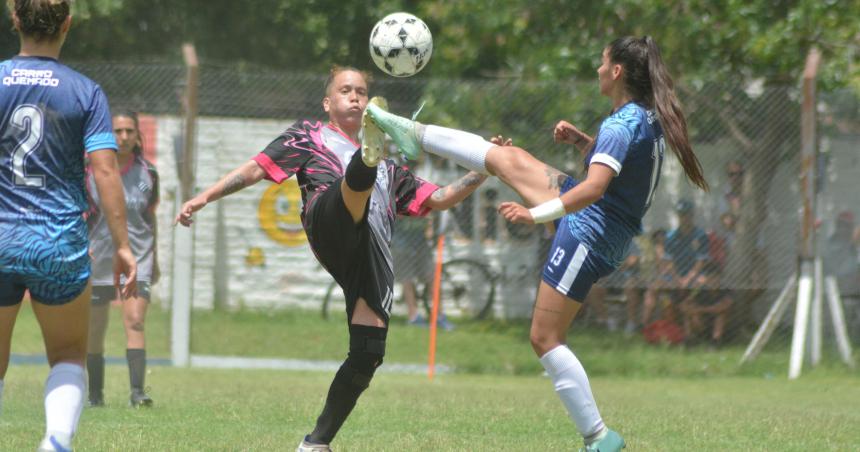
x,y
49,116
631,142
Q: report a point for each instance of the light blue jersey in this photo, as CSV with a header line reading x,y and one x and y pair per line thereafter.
x,y
631,142
49,116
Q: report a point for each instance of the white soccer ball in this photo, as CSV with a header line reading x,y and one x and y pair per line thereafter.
x,y
401,44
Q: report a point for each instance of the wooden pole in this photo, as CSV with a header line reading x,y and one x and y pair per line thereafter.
x,y
182,274
808,161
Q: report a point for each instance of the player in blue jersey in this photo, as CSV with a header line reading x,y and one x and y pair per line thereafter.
x,y
596,218
49,117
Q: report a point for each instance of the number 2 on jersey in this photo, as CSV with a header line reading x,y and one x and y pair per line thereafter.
x,y
29,119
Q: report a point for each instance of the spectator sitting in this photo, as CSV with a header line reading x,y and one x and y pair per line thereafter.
x,y
626,279
686,253
707,299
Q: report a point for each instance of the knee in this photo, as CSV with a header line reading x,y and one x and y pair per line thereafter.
x,y
543,341
134,321
75,353
512,158
366,352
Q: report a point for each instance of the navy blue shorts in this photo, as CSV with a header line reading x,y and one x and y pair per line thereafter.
x,y
571,269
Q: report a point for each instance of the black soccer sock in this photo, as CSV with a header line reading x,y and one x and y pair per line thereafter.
x,y
366,350
359,177
136,367
96,373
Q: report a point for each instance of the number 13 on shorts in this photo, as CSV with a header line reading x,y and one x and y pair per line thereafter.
x,y
557,257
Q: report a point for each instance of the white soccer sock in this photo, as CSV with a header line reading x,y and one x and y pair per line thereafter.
x,y
64,399
465,149
571,385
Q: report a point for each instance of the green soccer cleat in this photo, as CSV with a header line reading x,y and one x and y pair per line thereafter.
x,y
400,129
372,138
611,442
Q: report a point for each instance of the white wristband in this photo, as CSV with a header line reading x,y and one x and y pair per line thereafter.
x,y
548,211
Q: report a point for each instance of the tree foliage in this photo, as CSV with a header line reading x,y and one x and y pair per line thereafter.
x,y
548,39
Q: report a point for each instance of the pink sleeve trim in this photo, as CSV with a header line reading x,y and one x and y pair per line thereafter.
x,y
417,207
273,172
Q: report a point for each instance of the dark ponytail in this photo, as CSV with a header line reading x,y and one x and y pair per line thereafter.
x,y
647,80
41,20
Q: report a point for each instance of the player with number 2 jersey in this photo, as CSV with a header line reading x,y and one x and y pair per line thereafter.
x,y
50,116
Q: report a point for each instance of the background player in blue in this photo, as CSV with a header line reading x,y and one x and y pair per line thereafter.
x,y
597,218
351,196
49,116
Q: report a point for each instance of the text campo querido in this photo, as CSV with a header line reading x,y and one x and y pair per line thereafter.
x,y
31,77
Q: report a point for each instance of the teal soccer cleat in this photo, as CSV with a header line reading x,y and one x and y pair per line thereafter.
x,y
400,129
611,442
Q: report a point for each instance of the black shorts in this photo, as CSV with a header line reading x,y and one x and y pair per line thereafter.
x,y
103,295
350,252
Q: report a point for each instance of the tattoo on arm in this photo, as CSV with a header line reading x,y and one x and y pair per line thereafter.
x,y
233,185
466,182
469,180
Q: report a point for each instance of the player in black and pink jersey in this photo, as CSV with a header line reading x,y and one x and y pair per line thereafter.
x,y
350,202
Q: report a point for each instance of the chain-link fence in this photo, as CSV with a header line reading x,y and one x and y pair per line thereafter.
x,y
709,262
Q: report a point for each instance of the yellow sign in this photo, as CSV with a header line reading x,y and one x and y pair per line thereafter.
x,y
280,213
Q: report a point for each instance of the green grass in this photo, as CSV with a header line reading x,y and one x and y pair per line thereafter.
x,y
268,410
491,347
660,398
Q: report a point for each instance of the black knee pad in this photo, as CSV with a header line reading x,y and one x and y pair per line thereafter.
x,y
366,352
359,177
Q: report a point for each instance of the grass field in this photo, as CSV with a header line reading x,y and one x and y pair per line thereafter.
x,y
660,398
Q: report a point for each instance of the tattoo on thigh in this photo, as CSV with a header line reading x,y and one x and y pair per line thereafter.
x,y
233,184
555,178
137,326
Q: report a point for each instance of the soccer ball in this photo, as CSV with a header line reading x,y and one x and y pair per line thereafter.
x,y
401,44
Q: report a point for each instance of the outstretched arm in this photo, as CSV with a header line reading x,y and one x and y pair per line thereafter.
x,y
244,176
579,197
450,195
